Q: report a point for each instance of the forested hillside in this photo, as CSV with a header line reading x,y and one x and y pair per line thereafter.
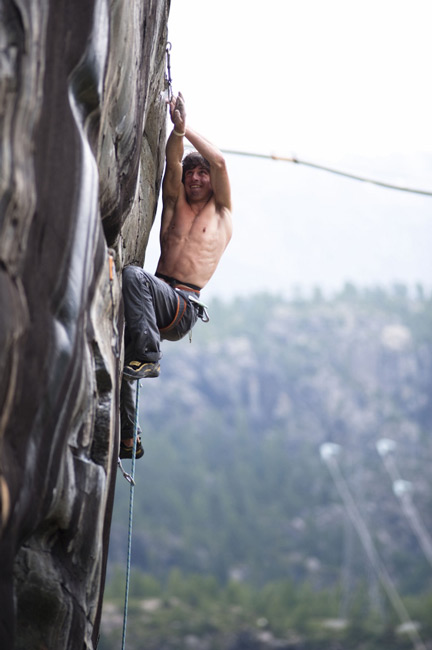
x,y
235,481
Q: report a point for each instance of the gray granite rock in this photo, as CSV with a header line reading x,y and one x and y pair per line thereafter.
x,y
82,132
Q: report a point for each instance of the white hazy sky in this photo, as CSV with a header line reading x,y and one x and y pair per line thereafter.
x,y
341,83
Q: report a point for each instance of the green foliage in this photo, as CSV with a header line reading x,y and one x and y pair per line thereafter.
x,y
215,615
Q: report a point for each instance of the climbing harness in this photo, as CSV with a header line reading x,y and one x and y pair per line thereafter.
x,y
168,71
178,284
180,311
131,479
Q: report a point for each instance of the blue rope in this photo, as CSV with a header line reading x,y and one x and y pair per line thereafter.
x,y
132,485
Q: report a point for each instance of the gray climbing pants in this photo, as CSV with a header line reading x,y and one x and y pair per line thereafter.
x,y
154,311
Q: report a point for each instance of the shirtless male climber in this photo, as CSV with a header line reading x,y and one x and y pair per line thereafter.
x,y
195,230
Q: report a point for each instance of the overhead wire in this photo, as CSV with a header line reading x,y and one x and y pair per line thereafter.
x,y
294,159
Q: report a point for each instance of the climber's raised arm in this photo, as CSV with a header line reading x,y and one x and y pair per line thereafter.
x,y
172,181
196,223
218,170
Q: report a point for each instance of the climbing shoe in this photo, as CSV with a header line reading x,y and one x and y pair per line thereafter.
x,y
126,452
141,369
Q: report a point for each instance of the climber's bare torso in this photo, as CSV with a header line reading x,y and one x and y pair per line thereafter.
x,y
195,231
196,216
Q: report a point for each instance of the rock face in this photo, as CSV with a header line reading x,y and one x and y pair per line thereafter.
x,y
82,122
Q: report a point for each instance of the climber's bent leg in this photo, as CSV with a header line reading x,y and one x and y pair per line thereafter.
x,y
153,310
142,339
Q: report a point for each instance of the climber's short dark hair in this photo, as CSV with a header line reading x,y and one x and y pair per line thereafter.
x,y
192,160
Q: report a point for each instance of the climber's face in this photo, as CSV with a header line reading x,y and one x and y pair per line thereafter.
x,y
197,184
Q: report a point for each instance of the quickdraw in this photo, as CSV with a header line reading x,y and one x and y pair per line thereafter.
x,y
168,71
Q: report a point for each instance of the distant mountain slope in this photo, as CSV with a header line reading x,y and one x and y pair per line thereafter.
x,y
232,483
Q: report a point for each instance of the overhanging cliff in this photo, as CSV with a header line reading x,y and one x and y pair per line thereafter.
x,y
82,122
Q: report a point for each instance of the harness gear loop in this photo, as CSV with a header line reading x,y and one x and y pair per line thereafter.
x,y
202,309
168,68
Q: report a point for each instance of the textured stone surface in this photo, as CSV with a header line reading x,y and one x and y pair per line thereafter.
x,y
82,123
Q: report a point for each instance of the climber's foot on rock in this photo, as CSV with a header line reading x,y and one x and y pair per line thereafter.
x,y
126,450
141,369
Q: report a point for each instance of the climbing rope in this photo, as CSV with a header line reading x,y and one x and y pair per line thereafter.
x,y
131,479
293,159
354,177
